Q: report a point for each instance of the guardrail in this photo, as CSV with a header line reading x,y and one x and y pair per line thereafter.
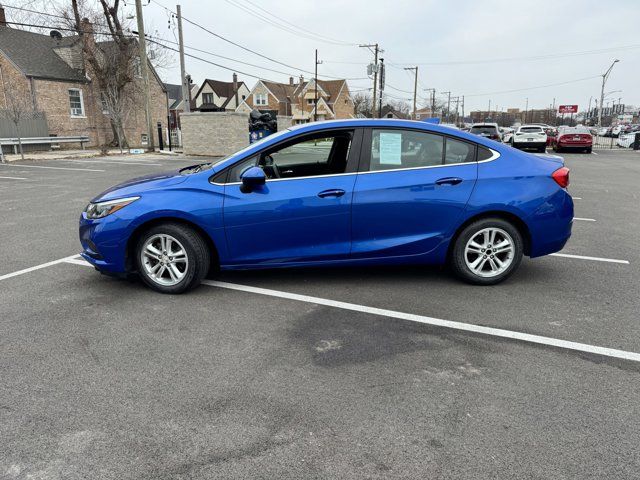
x,y
13,141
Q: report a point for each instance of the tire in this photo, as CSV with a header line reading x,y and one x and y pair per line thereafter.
x,y
588,150
557,149
182,271
542,149
463,255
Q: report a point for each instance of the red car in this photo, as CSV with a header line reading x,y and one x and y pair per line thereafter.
x,y
552,133
578,138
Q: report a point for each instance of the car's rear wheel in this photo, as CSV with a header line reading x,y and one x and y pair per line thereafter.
x,y
487,251
542,149
172,258
588,150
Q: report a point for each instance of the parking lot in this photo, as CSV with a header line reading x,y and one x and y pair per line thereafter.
x,y
336,373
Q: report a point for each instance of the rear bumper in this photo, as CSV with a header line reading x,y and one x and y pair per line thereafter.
x,y
551,224
530,144
575,144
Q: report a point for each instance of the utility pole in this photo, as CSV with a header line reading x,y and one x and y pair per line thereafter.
x,y
448,103
457,104
375,75
526,111
186,100
605,76
433,100
382,78
145,75
415,88
315,86
588,115
463,109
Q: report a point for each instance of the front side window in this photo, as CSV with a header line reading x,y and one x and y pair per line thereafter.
x,y
395,149
76,103
322,154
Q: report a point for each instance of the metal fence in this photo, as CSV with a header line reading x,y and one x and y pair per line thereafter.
x,y
601,142
176,137
31,124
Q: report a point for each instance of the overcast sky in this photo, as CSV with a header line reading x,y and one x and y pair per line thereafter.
x,y
433,34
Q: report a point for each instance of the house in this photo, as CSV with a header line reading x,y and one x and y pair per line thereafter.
x,y
218,96
389,112
49,73
176,103
423,113
298,100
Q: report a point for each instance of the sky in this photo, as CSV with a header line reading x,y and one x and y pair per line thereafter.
x,y
483,50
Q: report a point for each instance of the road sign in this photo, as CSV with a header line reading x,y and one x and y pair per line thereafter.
x,y
568,109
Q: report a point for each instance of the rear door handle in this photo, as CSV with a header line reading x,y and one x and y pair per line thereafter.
x,y
335,192
448,181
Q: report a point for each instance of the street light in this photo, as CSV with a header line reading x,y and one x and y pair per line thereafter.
x,y
605,76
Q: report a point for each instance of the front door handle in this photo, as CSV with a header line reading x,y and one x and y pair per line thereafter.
x,y
334,192
448,181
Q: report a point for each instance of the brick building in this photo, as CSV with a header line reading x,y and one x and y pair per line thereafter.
x,y
298,100
50,73
219,96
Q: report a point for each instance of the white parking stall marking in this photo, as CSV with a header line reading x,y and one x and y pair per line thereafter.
x,y
116,162
594,259
411,317
594,153
577,198
14,178
38,267
584,219
52,168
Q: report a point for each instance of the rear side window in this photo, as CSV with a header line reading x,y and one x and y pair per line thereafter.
x,y
394,149
484,153
458,152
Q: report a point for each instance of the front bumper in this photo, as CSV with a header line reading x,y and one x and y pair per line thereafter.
x,y
104,243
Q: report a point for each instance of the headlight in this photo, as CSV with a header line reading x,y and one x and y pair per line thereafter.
x,y
102,209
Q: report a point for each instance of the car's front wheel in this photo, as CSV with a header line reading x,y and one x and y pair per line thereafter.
x,y
487,251
172,258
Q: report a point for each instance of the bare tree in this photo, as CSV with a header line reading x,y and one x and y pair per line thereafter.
x,y
112,59
363,104
18,108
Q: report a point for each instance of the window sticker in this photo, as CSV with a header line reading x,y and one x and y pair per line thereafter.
x,y
390,148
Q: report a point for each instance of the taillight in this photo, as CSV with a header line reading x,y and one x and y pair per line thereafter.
x,y
561,176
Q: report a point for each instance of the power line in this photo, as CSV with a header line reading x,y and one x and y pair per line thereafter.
x,y
534,88
250,50
285,25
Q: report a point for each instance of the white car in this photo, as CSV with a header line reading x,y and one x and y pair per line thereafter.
x,y
507,133
626,140
530,136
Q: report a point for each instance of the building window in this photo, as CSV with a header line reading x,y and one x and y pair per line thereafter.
x,y
243,97
260,99
75,102
207,98
311,101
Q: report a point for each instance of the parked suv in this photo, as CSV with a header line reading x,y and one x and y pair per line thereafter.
x,y
530,136
487,130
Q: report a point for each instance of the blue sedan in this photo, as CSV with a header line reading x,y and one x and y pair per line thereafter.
x,y
354,192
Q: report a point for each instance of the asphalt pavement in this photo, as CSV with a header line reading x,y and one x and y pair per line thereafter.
x,y
105,379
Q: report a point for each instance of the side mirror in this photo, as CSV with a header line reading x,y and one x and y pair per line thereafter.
x,y
252,178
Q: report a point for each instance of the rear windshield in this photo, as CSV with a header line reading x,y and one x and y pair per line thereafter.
x,y
531,129
574,130
482,129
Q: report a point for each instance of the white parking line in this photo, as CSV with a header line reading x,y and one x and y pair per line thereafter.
x,y
38,267
437,322
113,162
594,153
595,259
584,219
15,178
51,168
577,198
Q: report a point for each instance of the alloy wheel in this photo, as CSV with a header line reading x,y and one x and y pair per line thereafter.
x,y
164,259
489,252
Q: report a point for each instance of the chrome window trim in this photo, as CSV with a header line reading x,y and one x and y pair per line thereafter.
x,y
495,155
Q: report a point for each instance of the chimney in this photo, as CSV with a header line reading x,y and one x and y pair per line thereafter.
x,y
290,80
3,19
301,79
86,29
235,87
